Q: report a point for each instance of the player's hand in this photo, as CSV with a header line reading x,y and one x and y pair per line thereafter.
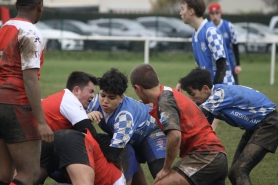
x,y
46,133
95,116
178,87
237,70
161,175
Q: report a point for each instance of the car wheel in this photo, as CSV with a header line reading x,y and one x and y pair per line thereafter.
x,y
53,45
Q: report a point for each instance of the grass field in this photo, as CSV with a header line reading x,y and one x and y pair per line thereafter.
x,y
170,67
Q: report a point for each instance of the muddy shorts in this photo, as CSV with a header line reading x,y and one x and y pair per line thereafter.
x,y
266,135
17,123
203,168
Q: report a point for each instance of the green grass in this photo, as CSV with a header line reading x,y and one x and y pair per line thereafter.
x,y
170,67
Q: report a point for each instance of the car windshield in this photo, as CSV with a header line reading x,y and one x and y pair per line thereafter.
x,y
180,24
84,27
135,26
240,29
41,25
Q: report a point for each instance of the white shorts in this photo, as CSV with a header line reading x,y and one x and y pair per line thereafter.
x,y
121,180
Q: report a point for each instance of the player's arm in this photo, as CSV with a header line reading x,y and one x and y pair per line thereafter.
x,y
221,66
169,118
33,92
208,115
236,53
86,124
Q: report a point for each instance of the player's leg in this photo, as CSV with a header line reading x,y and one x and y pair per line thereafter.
x,y
139,177
263,140
153,150
19,130
74,157
174,178
202,168
250,157
27,166
6,164
81,174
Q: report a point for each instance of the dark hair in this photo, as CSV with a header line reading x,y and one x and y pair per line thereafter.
x,y
27,4
145,76
80,79
113,81
196,79
198,6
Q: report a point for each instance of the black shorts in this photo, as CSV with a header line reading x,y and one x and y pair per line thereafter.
x,y
266,135
70,146
17,123
203,168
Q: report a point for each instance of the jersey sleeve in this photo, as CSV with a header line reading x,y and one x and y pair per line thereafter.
x,y
72,109
232,33
30,46
215,43
217,101
93,104
169,112
123,129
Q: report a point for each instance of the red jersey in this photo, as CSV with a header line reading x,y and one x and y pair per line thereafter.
x,y
21,48
62,110
173,110
106,173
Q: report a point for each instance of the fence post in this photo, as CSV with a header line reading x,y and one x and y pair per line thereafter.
x,y
146,51
272,65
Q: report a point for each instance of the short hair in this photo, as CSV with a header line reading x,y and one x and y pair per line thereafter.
x,y
80,79
198,6
27,4
145,76
196,79
113,81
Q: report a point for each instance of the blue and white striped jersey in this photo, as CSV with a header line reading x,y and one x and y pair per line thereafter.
x,y
238,105
208,46
228,32
130,122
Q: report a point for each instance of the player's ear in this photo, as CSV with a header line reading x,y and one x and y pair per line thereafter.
x,y
75,90
206,89
40,7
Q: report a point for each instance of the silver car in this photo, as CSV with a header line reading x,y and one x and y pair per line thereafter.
x,y
126,28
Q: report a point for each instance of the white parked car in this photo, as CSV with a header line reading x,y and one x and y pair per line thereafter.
x,y
247,42
69,43
267,35
273,24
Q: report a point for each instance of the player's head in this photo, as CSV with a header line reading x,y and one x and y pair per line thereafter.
x,y
214,11
27,6
197,84
112,86
82,85
142,77
196,7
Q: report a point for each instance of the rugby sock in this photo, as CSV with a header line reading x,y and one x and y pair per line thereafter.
x,y
16,182
4,183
